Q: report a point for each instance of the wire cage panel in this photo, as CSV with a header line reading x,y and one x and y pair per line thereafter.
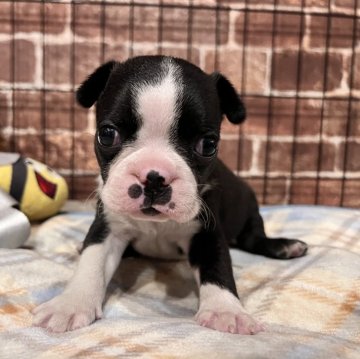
x,y
295,64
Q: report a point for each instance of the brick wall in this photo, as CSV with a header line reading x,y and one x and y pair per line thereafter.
x,y
296,64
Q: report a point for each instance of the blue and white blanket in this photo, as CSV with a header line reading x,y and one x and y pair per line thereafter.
x,y
311,305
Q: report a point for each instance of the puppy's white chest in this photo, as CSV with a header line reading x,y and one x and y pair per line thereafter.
x,y
168,240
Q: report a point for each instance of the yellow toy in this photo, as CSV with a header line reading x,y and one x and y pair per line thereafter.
x,y
39,190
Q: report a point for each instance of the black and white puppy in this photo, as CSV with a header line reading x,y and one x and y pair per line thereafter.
x,y
163,192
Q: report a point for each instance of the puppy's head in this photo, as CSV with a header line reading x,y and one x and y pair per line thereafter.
x,y
158,123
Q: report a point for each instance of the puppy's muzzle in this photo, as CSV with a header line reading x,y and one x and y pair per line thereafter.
x,y
153,184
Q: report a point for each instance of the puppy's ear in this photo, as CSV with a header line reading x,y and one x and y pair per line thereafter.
x,y
230,103
88,93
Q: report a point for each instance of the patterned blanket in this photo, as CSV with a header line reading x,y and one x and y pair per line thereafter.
x,y
311,305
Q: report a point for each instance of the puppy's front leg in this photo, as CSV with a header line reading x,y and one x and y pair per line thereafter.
x,y
219,307
81,302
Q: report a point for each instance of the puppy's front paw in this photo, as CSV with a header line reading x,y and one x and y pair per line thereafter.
x,y
229,321
66,312
221,310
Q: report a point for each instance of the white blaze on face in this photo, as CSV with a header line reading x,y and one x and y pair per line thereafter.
x,y
156,107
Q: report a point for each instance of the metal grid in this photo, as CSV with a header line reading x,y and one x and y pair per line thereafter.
x,y
246,9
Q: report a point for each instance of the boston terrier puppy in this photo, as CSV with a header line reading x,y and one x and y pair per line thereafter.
x,y
163,192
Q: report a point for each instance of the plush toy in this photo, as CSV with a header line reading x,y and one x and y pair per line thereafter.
x,y
39,190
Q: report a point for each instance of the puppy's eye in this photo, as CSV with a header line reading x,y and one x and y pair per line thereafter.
x,y
206,146
108,136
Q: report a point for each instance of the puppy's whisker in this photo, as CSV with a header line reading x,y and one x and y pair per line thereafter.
x,y
206,214
91,196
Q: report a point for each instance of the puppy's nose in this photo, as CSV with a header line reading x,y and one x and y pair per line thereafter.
x,y
155,175
156,189
154,180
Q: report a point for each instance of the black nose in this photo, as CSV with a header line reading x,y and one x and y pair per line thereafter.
x,y
156,191
154,180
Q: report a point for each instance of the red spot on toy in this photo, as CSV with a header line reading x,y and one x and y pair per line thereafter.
x,y
46,186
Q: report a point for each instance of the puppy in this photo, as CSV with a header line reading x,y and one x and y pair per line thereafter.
x,y
163,192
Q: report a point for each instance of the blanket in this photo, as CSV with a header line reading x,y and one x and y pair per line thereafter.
x,y
310,305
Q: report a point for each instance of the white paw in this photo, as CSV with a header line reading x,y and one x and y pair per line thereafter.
x,y
229,321
296,249
221,310
66,312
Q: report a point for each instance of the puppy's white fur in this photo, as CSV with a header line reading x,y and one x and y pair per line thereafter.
x,y
166,240
221,310
157,105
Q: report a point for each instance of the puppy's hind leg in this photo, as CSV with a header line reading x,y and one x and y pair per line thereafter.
x,y
253,239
